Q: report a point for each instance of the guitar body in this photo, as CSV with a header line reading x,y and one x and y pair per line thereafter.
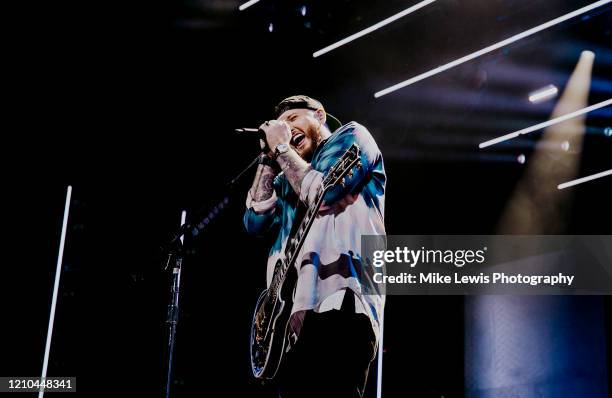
x,y
270,327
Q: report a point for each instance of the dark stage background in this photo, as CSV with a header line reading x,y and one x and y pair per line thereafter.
x,y
134,105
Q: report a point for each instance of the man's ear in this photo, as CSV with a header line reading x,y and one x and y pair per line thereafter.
x,y
320,115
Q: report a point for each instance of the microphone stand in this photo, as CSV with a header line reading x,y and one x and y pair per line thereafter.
x,y
175,255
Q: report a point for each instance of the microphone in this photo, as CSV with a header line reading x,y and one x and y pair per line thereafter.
x,y
247,130
255,132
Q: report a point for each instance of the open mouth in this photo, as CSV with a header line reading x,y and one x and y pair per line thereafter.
x,y
297,139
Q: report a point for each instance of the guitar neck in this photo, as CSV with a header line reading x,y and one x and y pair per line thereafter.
x,y
295,243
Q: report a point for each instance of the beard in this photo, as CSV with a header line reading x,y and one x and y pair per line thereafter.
x,y
311,142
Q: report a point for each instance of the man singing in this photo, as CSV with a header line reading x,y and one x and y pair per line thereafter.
x,y
336,322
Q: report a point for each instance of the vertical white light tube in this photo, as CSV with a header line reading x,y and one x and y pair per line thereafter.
x,y
380,359
58,269
183,219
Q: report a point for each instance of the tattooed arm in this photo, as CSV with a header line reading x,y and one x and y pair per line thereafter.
x,y
262,187
294,167
262,212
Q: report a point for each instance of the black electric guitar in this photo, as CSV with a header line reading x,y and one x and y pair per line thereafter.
x,y
270,337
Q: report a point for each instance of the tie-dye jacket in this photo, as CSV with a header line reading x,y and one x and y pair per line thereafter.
x,y
330,260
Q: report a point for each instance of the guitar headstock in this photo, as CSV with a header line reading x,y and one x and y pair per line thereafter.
x,y
343,167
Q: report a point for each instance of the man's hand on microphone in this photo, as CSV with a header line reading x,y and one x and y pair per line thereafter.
x,y
276,133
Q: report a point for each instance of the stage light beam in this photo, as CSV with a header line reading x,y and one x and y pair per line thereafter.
x,y
543,94
372,28
549,165
246,5
584,179
492,47
547,123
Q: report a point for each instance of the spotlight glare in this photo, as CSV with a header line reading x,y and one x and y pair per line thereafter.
x,y
608,131
550,122
521,159
374,27
303,11
543,94
246,5
492,47
565,145
271,27
584,179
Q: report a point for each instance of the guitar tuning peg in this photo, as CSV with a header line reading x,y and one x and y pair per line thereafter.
x,y
343,182
358,165
349,174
